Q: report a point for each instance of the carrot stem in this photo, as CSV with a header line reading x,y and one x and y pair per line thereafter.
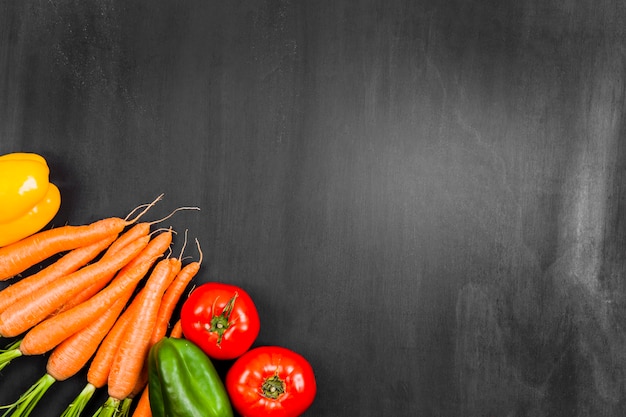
x,y
108,409
124,408
27,401
78,404
9,353
13,345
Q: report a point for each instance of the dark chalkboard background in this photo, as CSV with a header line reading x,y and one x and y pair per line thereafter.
x,y
425,198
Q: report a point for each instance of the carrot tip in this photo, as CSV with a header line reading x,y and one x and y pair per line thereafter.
x,y
173,212
144,211
180,257
108,409
199,251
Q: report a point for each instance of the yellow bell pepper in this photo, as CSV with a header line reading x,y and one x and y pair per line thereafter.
x,y
28,201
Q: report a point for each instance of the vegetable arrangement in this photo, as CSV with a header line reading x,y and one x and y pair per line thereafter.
x,y
222,321
104,303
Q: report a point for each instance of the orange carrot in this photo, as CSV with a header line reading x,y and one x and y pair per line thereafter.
x,y
55,329
85,294
135,232
21,255
172,297
67,360
155,248
143,405
118,360
69,263
177,330
160,325
98,373
168,304
32,309
133,349
71,355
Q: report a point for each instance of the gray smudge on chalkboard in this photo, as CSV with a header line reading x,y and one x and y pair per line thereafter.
x,y
543,339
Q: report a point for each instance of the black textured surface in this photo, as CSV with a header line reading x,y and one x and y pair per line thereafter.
x,y
425,198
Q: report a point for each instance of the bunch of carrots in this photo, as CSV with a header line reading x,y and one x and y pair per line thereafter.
x,y
107,295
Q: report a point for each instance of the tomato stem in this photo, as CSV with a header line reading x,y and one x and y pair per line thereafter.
x,y
221,323
273,387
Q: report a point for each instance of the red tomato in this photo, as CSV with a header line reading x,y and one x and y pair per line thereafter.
x,y
271,381
221,319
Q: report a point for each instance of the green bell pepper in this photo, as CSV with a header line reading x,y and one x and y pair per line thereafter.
x,y
184,383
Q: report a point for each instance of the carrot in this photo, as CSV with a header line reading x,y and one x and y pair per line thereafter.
x,y
98,371
177,330
70,356
143,405
160,325
168,304
23,254
36,344
139,230
154,249
135,232
55,329
69,263
180,283
172,297
32,309
85,294
68,359
131,352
